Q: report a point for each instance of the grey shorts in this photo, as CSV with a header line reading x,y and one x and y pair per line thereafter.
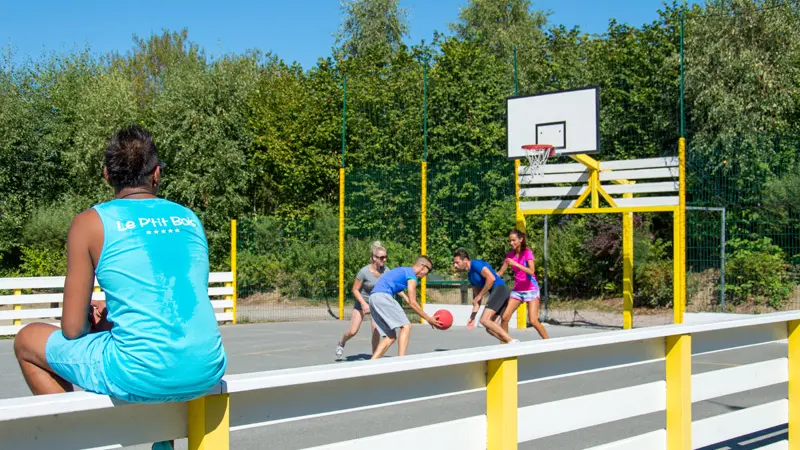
x,y
387,314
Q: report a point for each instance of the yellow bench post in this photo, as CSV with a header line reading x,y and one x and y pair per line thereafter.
x,y
17,307
209,423
679,392
233,271
501,404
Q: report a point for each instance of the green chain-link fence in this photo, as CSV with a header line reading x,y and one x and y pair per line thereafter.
x,y
743,218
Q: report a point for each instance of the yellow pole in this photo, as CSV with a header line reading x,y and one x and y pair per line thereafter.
x,y
677,315
682,209
424,232
233,284
17,307
627,268
595,184
679,392
679,238
209,423
522,311
341,243
501,404
794,384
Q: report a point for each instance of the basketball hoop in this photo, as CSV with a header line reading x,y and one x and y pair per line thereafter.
x,y
537,155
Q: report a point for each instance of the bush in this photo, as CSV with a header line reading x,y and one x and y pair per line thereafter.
x,y
653,284
257,272
703,289
44,238
48,225
300,258
653,271
43,262
569,263
756,273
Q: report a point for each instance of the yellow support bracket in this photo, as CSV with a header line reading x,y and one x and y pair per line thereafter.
x,y
610,210
583,196
594,176
605,195
587,161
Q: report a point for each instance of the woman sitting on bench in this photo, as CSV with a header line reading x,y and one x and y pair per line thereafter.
x,y
155,338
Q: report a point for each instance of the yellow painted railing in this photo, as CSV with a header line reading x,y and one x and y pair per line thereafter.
x,y
245,401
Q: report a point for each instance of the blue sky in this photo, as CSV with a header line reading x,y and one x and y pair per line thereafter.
x,y
296,30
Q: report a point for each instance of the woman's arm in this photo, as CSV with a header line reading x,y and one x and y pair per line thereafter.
x,y
357,292
503,268
527,269
75,321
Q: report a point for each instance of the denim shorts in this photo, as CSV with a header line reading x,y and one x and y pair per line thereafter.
x,y
81,362
526,296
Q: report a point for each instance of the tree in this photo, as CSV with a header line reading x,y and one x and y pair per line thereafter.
x,y
372,30
500,26
742,74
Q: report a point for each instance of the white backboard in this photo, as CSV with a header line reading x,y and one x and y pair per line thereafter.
x,y
569,120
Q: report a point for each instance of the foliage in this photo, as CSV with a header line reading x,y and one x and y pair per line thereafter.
x,y
756,273
653,271
252,137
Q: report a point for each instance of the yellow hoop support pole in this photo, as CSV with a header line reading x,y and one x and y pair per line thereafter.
x,y
522,311
341,243
627,268
234,285
424,232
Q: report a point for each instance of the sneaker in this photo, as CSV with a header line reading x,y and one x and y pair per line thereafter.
x,y
339,351
514,341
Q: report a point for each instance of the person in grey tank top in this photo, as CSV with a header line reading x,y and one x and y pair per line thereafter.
x,y
362,286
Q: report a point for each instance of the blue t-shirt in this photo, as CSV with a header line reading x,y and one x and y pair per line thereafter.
x,y
154,270
475,277
394,281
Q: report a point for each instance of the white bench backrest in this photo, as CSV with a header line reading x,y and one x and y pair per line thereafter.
x,y
25,291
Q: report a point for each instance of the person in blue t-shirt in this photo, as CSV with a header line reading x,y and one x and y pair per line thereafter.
x,y
485,280
155,338
387,313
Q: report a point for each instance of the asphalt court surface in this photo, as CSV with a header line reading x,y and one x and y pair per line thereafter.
x,y
260,347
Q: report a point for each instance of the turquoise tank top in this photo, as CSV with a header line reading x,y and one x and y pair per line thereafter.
x,y
154,270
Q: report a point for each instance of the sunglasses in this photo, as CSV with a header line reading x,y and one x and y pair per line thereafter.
x,y
382,258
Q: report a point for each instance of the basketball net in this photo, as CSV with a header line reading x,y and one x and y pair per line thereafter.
x,y
537,156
